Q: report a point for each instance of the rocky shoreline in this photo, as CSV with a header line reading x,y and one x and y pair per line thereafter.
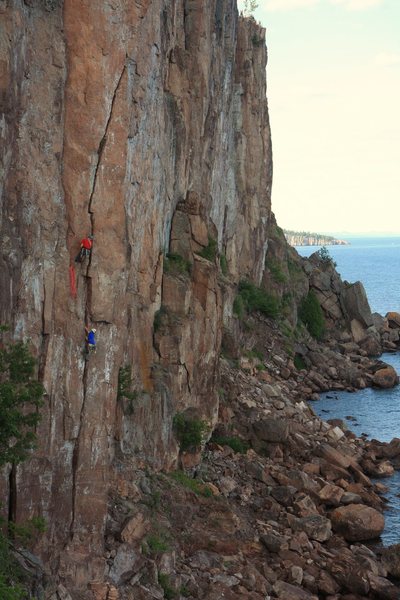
x,y
285,515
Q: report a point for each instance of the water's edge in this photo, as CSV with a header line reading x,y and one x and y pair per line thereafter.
x,y
375,413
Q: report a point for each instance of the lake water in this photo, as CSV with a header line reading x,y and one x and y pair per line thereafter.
x,y
375,262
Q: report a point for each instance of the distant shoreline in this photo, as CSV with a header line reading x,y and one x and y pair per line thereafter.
x,y
305,238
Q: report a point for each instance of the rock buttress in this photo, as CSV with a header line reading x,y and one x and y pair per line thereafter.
x,y
115,117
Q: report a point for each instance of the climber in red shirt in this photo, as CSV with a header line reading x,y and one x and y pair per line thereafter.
x,y
86,248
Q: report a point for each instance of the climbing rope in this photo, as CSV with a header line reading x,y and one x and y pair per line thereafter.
x,y
72,281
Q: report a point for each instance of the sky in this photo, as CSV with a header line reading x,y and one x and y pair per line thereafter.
x,y
333,87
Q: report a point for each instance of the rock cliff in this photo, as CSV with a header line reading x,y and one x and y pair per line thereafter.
x,y
146,125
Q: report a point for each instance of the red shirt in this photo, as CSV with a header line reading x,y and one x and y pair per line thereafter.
x,y
86,243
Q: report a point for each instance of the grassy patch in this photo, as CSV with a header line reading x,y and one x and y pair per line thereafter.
x,y
299,362
200,489
189,432
294,268
235,443
275,269
210,251
223,263
252,298
175,264
156,543
169,592
253,353
238,306
310,312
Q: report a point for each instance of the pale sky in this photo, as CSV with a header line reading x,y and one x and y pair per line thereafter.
x,y
333,87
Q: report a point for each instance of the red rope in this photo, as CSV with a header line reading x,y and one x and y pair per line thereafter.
x,y
72,282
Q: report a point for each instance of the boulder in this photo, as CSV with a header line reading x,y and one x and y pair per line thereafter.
x,y
371,344
357,330
326,584
382,588
134,529
302,481
350,498
271,430
378,322
284,494
357,522
331,494
127,562
385,378
331,455
378,469
356,304
393,319
316,527
391,560
291,592
272,541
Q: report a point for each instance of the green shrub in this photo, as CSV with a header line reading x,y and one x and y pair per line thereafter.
x,y
254,298
200,489
124,390
257,41
189,432
294,268
210,251
238,306
235,443
157,543
159,318
175,263
287,299
299,362
221,393
279,233
253,353
275,269
311,314
325,256
169,592
223,264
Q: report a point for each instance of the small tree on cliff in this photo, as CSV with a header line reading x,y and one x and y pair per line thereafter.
x,y
249,7
20,399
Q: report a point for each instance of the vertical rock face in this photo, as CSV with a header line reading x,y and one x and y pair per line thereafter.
x,y
145,124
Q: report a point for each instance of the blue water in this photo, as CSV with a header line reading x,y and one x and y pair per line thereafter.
x,y
375,262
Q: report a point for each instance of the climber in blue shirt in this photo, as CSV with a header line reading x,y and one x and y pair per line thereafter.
x,y
90,340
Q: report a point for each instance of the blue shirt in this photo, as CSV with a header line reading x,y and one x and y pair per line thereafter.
x,y
91,339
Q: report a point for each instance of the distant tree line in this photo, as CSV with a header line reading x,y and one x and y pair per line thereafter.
x,y
308,234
